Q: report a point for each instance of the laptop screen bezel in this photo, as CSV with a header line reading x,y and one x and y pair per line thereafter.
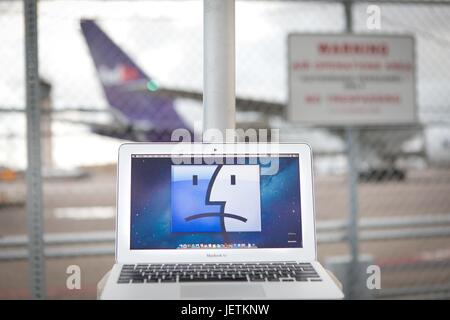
x,y
123,215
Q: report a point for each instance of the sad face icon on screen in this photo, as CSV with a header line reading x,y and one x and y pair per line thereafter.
x,y
216,198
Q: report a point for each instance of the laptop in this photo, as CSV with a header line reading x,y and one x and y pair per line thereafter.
x,y
216,221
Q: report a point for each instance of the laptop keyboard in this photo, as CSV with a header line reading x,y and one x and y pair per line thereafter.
x,y
221,272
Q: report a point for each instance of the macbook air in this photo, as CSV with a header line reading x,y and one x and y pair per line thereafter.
x,y
216,221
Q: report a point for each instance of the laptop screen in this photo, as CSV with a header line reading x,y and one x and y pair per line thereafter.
x,y
237,202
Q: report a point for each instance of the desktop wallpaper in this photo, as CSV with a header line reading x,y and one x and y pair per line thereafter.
x,y
177,205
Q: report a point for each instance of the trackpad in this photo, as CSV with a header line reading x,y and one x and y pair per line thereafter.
x,y
222,291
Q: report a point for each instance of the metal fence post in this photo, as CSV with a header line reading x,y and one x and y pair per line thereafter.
x,y
219,65
352,151
34,178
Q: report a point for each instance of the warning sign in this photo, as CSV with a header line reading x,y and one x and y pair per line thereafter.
x,y
351,79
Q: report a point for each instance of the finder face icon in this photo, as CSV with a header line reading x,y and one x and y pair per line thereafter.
x,y
216,198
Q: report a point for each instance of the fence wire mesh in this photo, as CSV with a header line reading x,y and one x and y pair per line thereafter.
x,y
404,204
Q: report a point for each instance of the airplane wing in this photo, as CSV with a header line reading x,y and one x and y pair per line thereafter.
x,y
242,104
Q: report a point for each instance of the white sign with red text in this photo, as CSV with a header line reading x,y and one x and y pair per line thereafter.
x,y
350,80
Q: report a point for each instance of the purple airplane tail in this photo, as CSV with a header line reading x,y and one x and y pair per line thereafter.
x,y
119,75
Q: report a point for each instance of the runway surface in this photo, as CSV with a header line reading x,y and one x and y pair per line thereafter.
x,y
87,205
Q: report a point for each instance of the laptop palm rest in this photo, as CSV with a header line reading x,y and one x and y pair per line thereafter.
x,y
222,291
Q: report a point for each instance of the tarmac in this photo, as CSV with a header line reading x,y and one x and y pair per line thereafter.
x,y
423,193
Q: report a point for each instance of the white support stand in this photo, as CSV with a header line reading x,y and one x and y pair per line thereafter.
x,y
219,65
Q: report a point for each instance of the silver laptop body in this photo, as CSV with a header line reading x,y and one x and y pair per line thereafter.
x,y
216,221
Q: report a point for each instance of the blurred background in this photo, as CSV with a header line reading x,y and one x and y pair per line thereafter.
x,y
402,192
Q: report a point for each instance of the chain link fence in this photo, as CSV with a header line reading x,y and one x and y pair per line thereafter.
x,y
403,190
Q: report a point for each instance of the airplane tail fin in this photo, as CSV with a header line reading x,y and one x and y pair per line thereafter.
x,y
119,74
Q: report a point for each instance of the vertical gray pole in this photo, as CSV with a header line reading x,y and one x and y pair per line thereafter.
x,y
348,16
352,145
219,64
34,178
353,171
46,124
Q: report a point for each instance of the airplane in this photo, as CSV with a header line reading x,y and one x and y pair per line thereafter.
x,y
143,110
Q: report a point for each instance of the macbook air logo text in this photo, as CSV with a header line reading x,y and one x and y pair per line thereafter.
x,y
216,255
216,198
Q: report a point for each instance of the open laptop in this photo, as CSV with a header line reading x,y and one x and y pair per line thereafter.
x,y
216,221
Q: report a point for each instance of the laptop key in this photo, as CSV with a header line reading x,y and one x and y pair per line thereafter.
x,y
301,279
192,280
140,280
184,278
123,281
129,275
230,278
